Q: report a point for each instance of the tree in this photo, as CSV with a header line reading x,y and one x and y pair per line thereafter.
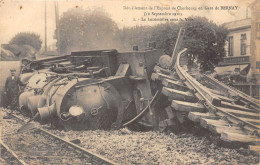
x,y
26,38
134,36
205,40
87,30
165,36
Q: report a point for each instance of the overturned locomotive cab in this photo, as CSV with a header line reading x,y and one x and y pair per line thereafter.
x,y
92,89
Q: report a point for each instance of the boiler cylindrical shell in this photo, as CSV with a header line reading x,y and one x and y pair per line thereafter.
x,y
100,110
26,76
38,80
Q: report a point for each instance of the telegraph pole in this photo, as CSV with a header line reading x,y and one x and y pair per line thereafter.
x,y
45,28
57,25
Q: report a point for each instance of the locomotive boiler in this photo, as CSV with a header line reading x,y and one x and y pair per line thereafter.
x,y
100,89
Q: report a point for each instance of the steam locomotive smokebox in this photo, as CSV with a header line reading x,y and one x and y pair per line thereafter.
x,y
96,101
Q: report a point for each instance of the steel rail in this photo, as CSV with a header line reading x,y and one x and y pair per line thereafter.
x,y
88,154
12,153
254,102
203,93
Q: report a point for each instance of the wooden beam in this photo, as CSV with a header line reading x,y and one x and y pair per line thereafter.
x,y
187,106
219,126
221,129
235,137
196,116
178,95
235,106
206,123
239,113
174,84
160,76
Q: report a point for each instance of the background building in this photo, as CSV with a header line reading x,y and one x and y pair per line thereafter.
x,y
238,42
255,40
242,58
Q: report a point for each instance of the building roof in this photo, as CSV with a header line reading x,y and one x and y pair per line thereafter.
x,y
238,24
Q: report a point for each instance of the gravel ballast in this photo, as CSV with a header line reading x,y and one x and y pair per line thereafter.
x,y
129,147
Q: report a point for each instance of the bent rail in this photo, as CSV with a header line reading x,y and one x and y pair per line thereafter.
x,y
211,102
254,103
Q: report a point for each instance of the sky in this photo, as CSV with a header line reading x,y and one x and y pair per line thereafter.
x,y
28,15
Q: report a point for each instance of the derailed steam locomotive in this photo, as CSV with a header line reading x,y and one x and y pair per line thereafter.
x,y
100,89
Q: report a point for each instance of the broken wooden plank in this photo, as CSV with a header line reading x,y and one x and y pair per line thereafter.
x,y
236,137
178,95
209,122
235,106
187,106
160,76
174,84
219,126
221,129
239,113
196,116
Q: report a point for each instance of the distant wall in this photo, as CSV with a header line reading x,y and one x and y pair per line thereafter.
x,y
5,67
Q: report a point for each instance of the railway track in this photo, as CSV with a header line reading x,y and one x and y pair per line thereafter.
x,y
223,110
8,156
39,146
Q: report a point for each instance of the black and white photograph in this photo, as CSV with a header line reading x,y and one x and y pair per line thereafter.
x,y
118,82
